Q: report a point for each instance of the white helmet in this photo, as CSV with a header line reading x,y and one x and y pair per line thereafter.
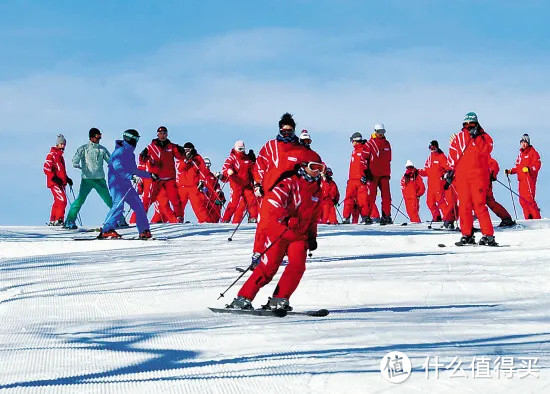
x,y
239,146
379,128
409,164
207,162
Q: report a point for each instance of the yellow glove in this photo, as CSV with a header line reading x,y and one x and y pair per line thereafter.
x,y
525,169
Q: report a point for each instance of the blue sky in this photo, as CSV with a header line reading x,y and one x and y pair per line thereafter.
x,y
217,71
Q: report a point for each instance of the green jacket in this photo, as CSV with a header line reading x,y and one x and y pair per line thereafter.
x,y
89,158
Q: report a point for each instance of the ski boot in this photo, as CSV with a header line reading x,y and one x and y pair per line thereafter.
x,y
240,303
488,240
56,223
507,222
110,234
277,303
367,220
122,223
146,234
385,220
466,240
70,226
346,221
449,225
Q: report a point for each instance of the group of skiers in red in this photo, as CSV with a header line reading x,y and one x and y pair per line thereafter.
x,y
287,189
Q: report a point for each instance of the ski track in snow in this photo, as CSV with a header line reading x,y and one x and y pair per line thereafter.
x,y
131,316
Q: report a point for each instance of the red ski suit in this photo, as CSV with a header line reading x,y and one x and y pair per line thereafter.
x,y
412,187
469,158
357,191
161,160
330,198
55,166
189,172
296,203
380,168
274,159
493,205
441,202
241,182
527,169
215,197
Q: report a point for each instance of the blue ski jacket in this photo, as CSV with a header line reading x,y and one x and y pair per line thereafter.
x,y
122,166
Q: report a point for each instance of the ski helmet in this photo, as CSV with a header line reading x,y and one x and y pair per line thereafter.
x,y
470,117
93,132
305,135
356,137
207,162
409,164
131,136
239,146
379,128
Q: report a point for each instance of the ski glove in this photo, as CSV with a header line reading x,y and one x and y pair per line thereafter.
x,y
192,153
144,154
252,156
154,177
136,179
69,181
364,180
258,190
256,258
473,130
58,180
311,244
200,185
525,169
449,176
507,172
230,172
335,202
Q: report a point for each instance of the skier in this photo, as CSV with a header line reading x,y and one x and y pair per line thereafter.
x,y
440,200
499,210
412,187
89,159
359,176
330,199
468,163
527,169
237,170
57,179
380,168
305,139
289,212
161,154
191,176
215,196
122,171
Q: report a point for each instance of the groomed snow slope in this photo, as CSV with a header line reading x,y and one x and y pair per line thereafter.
x,y
131,316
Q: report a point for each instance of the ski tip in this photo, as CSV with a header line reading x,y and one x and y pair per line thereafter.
x,y
229,239
404,224
441,245
320,313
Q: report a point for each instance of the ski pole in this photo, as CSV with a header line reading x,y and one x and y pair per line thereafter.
x,y
512,196
250,266
236,228
395,217
338,210
398,210
116,207
74,198
520,197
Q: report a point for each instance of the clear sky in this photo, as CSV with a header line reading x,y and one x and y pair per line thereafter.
x,y
217,71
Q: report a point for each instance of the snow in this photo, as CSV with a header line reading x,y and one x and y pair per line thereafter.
x,y
131,316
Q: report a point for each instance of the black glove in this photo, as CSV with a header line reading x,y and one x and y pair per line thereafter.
x,y
69,181
493,177
368,174
154,177
200,185
192,153
364,180
258,190
473,130
144,154
335,202
221,196
449,176
252,156
311,244
58,180
180,150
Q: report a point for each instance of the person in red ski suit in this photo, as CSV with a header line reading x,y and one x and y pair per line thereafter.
x,y
527,169
380,169
468,163
498,209
161,154
277,156
440,200
56,180
215,196
356,188
330,199
413,188
290,212
144,190
191,175
237,170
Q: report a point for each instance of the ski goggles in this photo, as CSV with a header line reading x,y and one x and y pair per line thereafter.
x,y
131,136
241,149
316,167
469,124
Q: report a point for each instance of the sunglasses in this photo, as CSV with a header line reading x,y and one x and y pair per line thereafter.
x,y
313,166
469,124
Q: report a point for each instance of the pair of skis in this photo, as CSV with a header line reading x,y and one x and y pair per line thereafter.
x,y
271,312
